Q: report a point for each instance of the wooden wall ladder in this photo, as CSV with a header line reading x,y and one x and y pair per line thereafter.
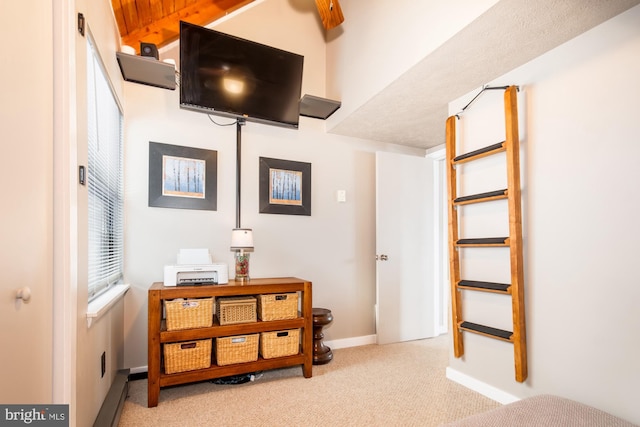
x,y
514,241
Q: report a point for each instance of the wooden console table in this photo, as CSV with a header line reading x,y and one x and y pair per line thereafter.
x,y
158,335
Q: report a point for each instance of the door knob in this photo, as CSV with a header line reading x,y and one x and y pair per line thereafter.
x,y
382,257
24,294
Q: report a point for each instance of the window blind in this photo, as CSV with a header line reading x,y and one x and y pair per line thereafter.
x,y
104,179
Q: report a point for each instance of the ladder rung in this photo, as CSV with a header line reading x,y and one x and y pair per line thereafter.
x,y
488,331
485,241
482,152
484,286
482,197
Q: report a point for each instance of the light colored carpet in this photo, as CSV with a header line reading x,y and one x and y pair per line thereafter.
x,y
400,384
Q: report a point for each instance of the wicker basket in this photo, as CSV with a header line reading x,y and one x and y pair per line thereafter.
x,y
278,306
236,310
279,343
189,313
187,356
237,349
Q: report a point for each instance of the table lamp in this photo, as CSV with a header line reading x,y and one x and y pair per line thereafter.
x,y
242,244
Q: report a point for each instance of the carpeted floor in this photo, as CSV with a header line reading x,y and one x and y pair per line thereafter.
x,y
400,384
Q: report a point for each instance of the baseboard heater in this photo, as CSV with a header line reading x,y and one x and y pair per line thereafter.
x,y
109,415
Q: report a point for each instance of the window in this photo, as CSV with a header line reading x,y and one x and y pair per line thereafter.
x,y
104,178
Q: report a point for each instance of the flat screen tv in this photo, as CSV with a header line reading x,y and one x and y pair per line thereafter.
x,y
234,77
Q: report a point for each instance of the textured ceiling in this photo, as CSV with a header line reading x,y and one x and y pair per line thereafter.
x,y
412,110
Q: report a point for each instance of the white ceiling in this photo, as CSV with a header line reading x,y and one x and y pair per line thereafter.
x,y
413,109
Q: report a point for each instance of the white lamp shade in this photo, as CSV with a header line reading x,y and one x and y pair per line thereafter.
x,y
242,239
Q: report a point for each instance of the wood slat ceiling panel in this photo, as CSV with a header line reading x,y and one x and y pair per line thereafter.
x,y
145,17
167,7
157,11
179,4
129,14
158,21
122,25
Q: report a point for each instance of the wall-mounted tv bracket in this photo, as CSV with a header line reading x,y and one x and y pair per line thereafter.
x,y
239,124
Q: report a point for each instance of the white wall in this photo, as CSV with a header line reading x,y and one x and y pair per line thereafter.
x,y
380,41
107,333
579,132
334,247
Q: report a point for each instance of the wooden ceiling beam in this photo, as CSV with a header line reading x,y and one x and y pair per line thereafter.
x,y
330,13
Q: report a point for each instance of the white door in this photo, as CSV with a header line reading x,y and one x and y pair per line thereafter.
x,y
26,229
406,303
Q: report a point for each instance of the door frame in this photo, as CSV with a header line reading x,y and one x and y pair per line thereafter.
x,y
65,309
441,258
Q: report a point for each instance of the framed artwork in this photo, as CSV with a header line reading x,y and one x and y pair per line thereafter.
x,y
285,187
182,177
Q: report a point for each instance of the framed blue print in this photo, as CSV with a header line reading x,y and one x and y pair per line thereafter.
x,y
182,177
285,187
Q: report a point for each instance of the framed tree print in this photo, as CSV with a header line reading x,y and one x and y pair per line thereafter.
x,y
285,187
182,177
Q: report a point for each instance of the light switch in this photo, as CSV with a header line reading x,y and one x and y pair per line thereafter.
x,y
341,196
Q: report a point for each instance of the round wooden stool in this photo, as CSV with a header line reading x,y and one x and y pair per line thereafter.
x,y
321,353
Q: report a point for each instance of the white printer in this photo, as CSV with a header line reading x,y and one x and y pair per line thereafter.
x,y
195,267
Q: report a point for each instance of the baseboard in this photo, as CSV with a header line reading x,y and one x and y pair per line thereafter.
x,y
351,342
111,409
140,372
484,389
